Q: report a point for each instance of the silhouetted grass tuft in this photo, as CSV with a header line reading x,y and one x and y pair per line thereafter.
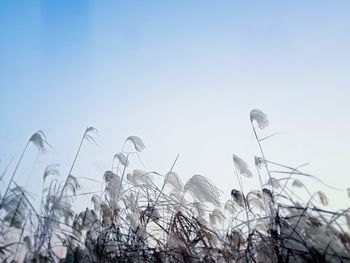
x,y
134,219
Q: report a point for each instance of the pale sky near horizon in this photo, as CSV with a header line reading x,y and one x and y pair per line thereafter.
x,y
182,75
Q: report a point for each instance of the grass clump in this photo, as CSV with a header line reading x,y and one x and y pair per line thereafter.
x,y
142,216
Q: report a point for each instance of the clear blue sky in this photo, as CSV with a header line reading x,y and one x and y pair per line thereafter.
x,y
183,75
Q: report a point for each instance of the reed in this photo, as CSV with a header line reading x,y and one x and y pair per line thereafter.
x,y
145,216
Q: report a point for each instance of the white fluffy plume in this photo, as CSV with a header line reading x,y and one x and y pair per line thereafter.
x,y
122,158
323,198
203,190
137,142
230,206
139,177
39,140
241,166
173,179
259,117
297,183
113,187
200,208
216,217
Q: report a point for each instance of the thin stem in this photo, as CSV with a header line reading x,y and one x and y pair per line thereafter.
x,y
13,174
262,152
73,164
4,172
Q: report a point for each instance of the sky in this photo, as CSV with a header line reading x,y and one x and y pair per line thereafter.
x,y
183,76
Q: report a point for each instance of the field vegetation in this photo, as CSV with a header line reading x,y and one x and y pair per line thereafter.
x,y
134,218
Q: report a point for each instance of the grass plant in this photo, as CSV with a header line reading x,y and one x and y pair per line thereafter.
x,y
136,219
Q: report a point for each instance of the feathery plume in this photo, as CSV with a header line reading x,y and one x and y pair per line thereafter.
x,y
72,183
85,220
179,203
27,242
131,203
235,239
258,161
107,214
347,218
15,206
267,193
200,207
216,216
261,225
96,200
203,190
273,182
137,142
323,198
175,242
131,179
259,117
238,197
89,133
133,220
313,221
113,181
139,177
241,166
230,206
297,183
256,198
173,179
39,140
150,212
176,196
122,158
51,170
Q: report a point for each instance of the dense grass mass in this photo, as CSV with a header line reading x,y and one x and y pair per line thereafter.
x,y
137,219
